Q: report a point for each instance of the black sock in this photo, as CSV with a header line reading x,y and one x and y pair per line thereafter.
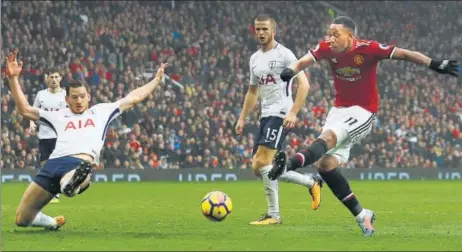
x,y
338,184
306,157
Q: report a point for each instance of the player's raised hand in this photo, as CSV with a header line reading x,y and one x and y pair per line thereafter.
x,y
13,68
445,67
160,72
239,126
290,120
32,127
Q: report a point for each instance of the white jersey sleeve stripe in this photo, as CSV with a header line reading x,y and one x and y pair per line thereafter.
x,y
312,56
113,114
391,54
278,138
48,123
37,101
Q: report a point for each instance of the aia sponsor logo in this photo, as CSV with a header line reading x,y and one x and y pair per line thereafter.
x,y
266,79
51,109
79,124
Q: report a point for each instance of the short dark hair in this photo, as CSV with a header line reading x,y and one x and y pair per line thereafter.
x,y
76,84
53,70
266,17
346,22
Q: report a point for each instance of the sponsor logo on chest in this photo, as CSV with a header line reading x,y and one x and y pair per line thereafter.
x,y
77,124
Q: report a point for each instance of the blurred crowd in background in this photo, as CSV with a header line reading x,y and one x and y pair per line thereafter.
x,y
116,46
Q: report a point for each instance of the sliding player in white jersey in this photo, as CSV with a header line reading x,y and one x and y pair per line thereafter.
x,y
49,99
80,134
278,116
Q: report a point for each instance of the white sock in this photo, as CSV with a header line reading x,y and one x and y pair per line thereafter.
x,y
271,191
43,220
361,215
297,178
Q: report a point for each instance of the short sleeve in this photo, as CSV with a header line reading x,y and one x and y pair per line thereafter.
x,y
49,118
321,51
107,111
290,58
37,101
381,51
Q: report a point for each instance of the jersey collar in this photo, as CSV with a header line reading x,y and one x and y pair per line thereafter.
x,y
353,46
60,91
274,47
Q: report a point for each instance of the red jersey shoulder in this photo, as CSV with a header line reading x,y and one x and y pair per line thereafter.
x,y
321,50
323,46
374,48
362,43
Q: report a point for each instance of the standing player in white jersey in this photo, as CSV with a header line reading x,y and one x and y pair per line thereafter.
x,y
80,134
278,115
50,99
353,65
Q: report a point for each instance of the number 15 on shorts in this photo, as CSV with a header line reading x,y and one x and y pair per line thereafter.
x,y
271,134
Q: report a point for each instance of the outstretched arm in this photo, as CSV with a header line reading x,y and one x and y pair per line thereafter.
x,y
138,95
321,51
300,98
13,70
302,63
411,56
290,72
443,67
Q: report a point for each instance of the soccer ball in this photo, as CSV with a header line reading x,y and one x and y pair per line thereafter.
x,y
216,206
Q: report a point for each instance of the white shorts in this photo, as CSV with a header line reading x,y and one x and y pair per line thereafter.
x,y
351,125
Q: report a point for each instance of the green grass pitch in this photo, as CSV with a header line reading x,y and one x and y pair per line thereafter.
x,y
418,215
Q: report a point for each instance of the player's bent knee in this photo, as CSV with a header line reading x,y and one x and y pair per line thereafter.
x,y
262,158
257,164
330,137
327,163
23,216
21,220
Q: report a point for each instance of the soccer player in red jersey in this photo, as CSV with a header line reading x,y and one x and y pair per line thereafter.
x,y
353,64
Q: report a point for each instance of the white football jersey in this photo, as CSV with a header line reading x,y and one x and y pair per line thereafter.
x,y
265,71
80,133
49,102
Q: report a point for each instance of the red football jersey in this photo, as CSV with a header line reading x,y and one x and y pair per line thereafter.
x,y
355,72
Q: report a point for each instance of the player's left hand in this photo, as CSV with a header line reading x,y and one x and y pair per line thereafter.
x,y
289,120
13,68
160,72
445,67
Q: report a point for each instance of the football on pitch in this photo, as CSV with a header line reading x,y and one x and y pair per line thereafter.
x,y
216,206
